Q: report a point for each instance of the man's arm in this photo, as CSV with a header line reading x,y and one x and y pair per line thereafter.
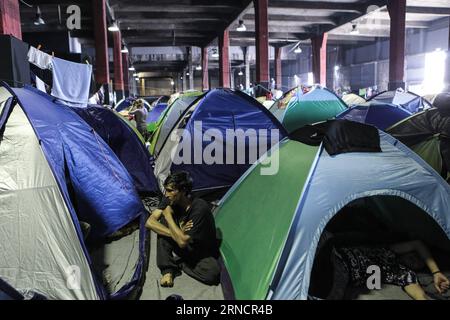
x,y
177,234
154,224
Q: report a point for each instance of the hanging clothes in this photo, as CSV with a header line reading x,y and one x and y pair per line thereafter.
x,y
71,81
40,85
39,58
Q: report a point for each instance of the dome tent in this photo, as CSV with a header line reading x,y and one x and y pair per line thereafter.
x,y
169,118
282,250
219,111
380,115
428,134
319,104
56,172
405,99
125,143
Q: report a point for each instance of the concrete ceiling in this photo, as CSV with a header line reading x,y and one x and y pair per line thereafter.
x,y
182,23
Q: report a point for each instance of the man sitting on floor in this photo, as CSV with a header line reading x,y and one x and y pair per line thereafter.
x,y
186,234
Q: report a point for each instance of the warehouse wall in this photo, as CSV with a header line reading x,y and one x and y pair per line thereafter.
x,y
368,65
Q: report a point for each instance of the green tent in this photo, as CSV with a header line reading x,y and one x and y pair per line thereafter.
x,y
270,221
297,109
428,134
169,117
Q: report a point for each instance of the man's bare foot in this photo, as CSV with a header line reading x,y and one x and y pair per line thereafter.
x,y
167,280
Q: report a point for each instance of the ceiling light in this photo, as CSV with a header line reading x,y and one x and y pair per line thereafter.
x,y
298,50
198,68
354,30
240,73
172,83
135,74
113,27
124,49
131,68
187,73
241,26
38,21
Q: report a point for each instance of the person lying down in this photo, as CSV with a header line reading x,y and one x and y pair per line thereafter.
x,y
398,264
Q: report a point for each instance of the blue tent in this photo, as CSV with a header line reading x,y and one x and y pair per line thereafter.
x,y
124,104
405,99
55,171
322,177
202,131
381,115
154,115
125,144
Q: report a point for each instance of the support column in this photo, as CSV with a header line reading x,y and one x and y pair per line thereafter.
x,y
205,78
247,66
126,75
319,52
397,12
232,85
262,45
447,64
118,71
190,68
224,63
278,81
10,18
101,47
143,93
184,80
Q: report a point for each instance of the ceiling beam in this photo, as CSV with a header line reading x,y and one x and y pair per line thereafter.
x,y
429,10
185,9
150,16
167,33
293,17
319,5
194,26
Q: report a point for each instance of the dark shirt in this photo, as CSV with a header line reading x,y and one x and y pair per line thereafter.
x,y
203,233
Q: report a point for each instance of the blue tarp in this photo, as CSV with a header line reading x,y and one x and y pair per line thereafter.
x,y
221,110
125,144
380,115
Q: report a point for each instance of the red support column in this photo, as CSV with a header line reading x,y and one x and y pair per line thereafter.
x,y
10,18
278,81
126,74
101,46
262,44
224,63
118,72
205,82
319,52
397,12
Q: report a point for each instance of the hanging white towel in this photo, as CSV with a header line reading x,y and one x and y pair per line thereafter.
x,y
40,85
39,58
71,81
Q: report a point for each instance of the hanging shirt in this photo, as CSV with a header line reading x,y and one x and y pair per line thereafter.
x,y
71,81
39,58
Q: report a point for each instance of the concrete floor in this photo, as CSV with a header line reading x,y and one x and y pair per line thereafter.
x,y
184,285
